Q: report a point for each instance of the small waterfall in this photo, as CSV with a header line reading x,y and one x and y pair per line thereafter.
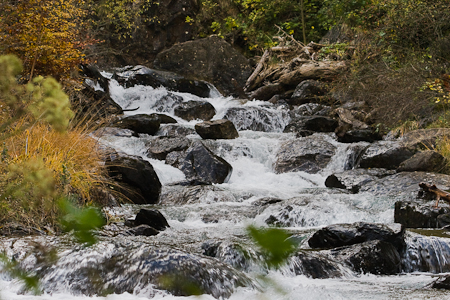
x,y
426,254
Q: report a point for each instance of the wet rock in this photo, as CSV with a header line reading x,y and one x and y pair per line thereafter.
x,y
385,154
168,102
312,123
161,146
137,173
140,75
143,230
358,135
193,110
94,74
211,59
217,129
426,161
339,235
152,218
199,163
307,91
256,119
140,123
374,257
309,154
175,131
352,180
419,214
314,264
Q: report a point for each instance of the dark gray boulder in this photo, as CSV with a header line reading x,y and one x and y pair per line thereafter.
x,y
308,109
307,91
193,110
161,146
309,154
426,161
211,59
199,163
339,235
266,92
385,154
312,123
315,264
374,257
151,217
164,119
217,129
138,174
141,123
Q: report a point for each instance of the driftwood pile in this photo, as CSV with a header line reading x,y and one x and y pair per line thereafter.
x,y
291,62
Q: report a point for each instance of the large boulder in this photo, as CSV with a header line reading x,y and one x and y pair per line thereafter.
x,y
193,110
211,59
358,135
339,235
167,102
141,123
424,138
307,91
386,154
312,124
140,75
161,146
374,257
217,129
426,161
138,174
309,154
199,163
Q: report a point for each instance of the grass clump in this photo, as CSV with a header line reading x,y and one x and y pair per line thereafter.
x,y
43,159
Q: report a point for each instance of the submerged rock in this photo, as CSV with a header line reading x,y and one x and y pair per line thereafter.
x,y
419,214
175,130
256,118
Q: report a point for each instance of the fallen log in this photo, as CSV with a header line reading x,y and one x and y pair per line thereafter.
x,y
250,84
312,70
439,194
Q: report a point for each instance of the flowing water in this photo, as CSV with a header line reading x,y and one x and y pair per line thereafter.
x,y
219,215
